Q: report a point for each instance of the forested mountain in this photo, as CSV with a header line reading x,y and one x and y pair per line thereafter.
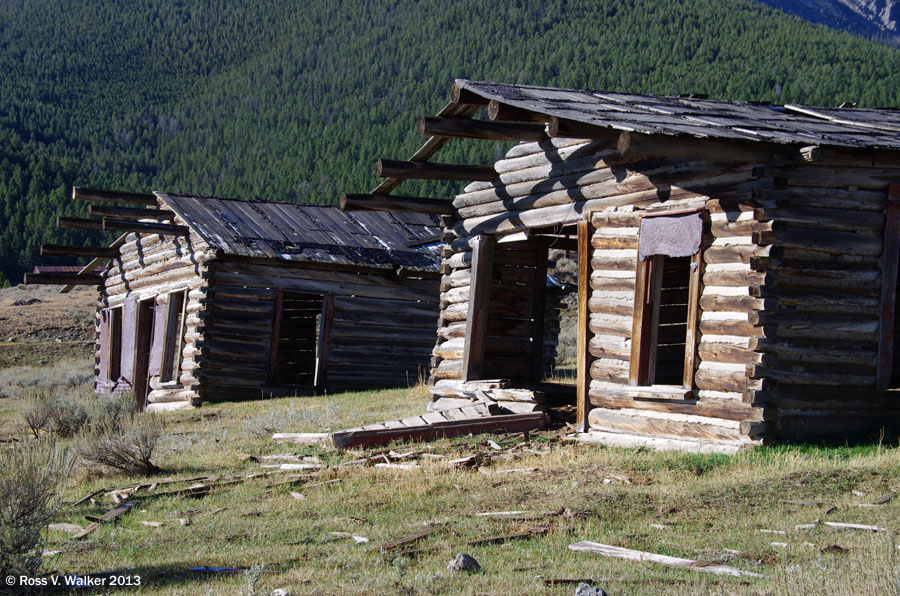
x,y
295,101
874,19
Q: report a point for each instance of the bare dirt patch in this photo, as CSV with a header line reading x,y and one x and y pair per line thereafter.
x,y
39,325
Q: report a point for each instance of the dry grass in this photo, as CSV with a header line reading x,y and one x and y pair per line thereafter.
x,y
712,508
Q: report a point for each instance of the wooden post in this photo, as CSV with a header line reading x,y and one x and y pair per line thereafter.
x,y
583,367
479,297
640,324
539,310
324,342
695,290
889,262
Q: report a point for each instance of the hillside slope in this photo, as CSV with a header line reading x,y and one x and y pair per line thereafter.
x,y
280,102
875,19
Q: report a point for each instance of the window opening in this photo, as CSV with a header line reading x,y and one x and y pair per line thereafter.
x,y
114,353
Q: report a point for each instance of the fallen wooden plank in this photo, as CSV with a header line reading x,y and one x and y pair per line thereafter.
x,y
447,429
637,555
409,538
843,526
531,532
302,438
109,516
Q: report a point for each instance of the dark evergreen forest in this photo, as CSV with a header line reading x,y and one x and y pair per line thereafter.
x,y
294,101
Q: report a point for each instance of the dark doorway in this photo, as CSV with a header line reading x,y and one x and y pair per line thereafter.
x,y
294,341
144,335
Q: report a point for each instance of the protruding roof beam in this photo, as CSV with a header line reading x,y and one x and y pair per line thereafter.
x,y
78,223
389,168
129,213
58,279
113,196
121,225
464,96
502,111
369,202
58,250
466,128
561,127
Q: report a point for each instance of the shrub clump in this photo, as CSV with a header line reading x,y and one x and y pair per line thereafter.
x,y
30,479
117,437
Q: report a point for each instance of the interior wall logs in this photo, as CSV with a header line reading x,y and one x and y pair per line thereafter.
x,y
791,282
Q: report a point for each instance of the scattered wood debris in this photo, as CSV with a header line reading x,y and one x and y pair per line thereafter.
x,y
408,539
109,516
843,526
529,533
886,498
65,527
637,555
491,471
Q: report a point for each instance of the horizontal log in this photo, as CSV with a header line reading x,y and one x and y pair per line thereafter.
x,y
562,127
727,409
716,380
113,196
129,213
826,219
686,146
121,225
800,377
57,250
369,202
730,327
467,128
830,242
466,97
604,419
59,279
422,170
78,223
713,303
501,111
716,352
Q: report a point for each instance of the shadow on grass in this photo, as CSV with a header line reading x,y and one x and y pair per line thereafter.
x,y
182,574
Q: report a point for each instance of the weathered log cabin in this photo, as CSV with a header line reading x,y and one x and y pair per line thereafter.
x,y
737,262
210,299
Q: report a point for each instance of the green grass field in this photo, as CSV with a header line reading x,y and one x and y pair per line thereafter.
x,y
300,536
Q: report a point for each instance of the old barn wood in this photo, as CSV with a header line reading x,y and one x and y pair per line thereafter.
x,y
737,263
208,298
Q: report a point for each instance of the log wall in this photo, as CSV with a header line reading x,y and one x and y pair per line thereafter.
x,y
151,267
380,333
789,307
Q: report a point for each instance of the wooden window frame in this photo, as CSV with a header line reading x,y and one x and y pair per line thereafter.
x,y
645,326
173,343
114,344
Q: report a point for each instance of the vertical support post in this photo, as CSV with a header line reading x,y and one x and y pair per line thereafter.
x,y
695,289
324,342
639,360
273,340
479,296
889,260
583,366
539,311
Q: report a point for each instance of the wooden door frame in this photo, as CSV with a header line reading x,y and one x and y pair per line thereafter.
x,y
583,361
889,262
143,335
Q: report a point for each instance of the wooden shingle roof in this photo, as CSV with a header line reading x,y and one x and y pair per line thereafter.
x,y
311,233
703,118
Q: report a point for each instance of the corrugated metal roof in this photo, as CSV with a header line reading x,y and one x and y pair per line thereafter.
x,y
704,118
311,233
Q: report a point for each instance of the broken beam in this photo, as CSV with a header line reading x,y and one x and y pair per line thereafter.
x,y
113,196
466,128
367,202
502,111
58,250
638,555
59,279
389,168
129,212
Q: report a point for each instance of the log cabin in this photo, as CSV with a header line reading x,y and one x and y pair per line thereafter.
x,y
737,262
210,299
